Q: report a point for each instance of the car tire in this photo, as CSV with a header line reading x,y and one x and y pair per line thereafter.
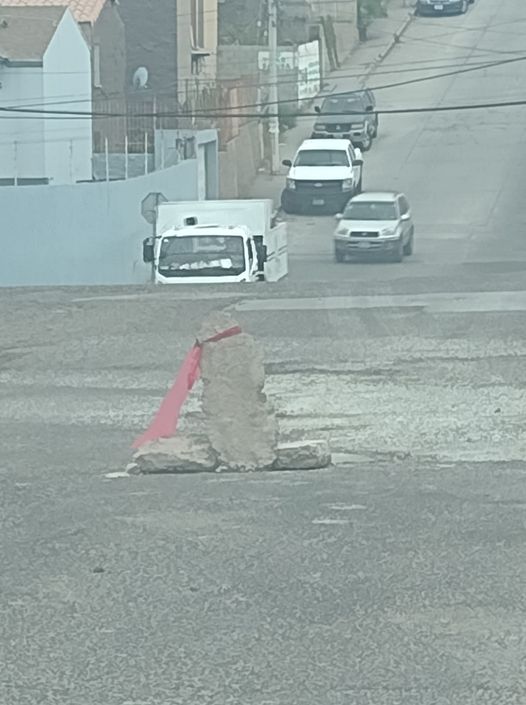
x,y
398,254
374,133
285,205
410,245
367,144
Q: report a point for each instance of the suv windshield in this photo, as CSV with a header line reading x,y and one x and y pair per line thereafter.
x,y
322,157
343,105
226,255
371,210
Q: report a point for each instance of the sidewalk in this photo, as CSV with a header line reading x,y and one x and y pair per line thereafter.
x,y
361,63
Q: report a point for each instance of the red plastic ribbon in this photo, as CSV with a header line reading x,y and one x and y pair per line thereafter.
x,y
165,420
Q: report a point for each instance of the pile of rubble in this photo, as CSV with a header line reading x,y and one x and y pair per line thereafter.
x,y
240,431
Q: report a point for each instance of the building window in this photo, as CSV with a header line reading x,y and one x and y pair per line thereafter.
x,y
198,28
97,83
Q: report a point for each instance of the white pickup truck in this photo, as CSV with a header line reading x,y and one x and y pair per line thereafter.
x,y
323,176
210,242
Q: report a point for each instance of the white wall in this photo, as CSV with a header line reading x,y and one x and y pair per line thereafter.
x,y
21,86
67,77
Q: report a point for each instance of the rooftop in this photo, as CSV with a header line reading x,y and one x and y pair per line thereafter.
x,y
83,10
25,32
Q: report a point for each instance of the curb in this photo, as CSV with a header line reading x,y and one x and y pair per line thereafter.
x,y
385,53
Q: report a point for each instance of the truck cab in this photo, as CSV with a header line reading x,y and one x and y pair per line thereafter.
x,y
216,242
204,254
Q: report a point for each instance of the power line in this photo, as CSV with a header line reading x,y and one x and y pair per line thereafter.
x,y
74,98
384,111
221,112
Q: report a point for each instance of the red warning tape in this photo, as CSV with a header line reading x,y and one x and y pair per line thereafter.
x,y
165,421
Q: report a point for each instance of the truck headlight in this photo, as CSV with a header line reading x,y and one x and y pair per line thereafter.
x,y
291,184
342,231
347,185
358,126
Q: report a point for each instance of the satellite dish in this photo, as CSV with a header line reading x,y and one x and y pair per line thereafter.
x,y
140,78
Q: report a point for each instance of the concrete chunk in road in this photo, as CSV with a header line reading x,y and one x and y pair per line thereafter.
x,y
184,453
303,455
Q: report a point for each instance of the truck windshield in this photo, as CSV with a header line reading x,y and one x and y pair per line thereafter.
x,y
322,157
202,255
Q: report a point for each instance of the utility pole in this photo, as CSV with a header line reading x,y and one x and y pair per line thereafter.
x,y
273,126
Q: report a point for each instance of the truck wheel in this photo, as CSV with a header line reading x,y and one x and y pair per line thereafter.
x,y
285,205
367,143
338,255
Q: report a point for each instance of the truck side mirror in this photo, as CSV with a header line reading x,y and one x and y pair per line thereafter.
x,y
369,109
317,109
147,250
287,162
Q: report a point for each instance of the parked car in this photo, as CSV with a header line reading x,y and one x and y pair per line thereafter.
x,y
323,175
442,7
375,223
348,116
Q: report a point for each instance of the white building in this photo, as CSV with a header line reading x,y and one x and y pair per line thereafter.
x,y
45,64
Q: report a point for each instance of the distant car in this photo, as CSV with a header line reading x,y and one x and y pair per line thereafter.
x,y
375,223
442,7
348,116
323,176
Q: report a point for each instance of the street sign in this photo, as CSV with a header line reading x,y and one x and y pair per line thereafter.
x,y
149,206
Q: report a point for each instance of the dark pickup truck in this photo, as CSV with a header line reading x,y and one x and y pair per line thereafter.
x,y
348,116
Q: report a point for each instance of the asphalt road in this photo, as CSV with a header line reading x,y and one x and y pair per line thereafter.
x,y
396,577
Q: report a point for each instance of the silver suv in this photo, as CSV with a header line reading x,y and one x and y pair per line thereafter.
x,y
375,223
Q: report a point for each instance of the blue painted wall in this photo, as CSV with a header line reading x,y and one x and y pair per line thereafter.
x,y
83,234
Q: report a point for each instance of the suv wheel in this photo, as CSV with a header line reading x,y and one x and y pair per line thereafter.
x,y
410,245
398,254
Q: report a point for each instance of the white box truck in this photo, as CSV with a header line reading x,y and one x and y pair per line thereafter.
x,y
204,242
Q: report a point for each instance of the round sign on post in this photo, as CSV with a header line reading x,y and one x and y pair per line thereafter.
x,y
149,206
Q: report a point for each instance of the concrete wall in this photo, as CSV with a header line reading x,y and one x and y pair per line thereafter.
x,y
204,145
83,234
239,162
22,139
68,142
